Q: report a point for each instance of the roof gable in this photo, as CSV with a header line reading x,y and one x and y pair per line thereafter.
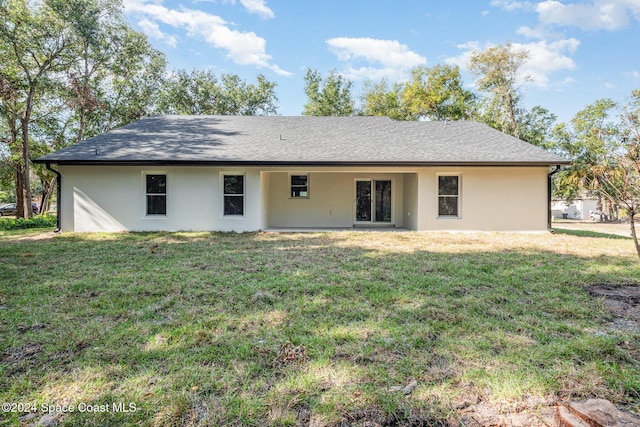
x,y
302,140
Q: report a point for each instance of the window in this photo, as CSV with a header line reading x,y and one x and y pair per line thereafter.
x,y
233,189
448,195
156,187
300,186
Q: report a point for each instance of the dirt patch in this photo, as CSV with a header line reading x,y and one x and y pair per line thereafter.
x,y
624,303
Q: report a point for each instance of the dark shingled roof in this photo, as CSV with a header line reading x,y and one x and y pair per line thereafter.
x,y
251,140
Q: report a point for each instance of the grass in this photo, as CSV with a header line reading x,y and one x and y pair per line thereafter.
x,y
293,329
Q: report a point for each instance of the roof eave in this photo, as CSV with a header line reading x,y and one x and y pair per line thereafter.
x,y
297,163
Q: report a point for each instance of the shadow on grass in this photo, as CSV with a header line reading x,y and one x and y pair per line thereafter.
x,y
193,327
587,233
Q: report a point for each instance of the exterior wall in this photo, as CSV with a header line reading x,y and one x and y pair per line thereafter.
x,y
331,201
110,198
491,199
410,200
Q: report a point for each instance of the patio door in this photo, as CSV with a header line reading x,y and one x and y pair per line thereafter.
x,y
373,201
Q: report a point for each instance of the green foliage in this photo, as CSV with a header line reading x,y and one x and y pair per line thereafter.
x,y
585,141
437,93
69,69
21,223
380,100
330,97
200,92
497,69
434,93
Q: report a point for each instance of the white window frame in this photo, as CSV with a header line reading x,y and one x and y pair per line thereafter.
x,y
458,214
145,206
244,194
291,186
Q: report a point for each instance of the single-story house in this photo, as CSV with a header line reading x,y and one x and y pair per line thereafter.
x,y
232,173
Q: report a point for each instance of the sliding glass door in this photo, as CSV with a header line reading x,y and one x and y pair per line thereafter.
x,y
373,201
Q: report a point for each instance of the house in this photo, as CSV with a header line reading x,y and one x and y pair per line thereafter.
x,y
254,173
585,208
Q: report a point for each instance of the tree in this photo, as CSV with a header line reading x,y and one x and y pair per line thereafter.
x,y
437,93
619,173
536,127
200,92
34,44
380,100
497,69
327,98
588,141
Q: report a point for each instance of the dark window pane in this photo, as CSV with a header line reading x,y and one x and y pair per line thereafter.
x,y
156,205
156,184
383,201
299,180
363,200
234,205
233,184
447,206
448,185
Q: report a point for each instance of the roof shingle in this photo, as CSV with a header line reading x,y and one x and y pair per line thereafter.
x,y
302,140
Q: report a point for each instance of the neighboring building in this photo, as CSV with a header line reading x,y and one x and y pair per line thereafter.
x,y
252,173
581,209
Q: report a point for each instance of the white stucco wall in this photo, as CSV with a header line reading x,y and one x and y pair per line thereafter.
x,y
112,198
491,199
109,198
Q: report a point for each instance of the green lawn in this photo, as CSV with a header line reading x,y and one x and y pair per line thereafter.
x,y
296,329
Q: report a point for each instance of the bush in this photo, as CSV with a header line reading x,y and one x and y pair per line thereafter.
x,y
35,222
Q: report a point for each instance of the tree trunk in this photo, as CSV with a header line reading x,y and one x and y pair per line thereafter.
x,y
23,203
47,191
633,232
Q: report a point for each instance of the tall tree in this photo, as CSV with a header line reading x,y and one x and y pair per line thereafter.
x,y
200,92
588,140
497,69
437,93
70,69
35,44
330,97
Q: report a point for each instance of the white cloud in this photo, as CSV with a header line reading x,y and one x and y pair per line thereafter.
x,y
243,48
599,14
635,74
545,59
510,5
152,30
257,6
532,33
463,59
394,58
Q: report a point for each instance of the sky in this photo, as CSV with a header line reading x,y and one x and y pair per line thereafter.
x,y
579,51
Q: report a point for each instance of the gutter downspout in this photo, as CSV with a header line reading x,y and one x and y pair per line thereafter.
x,y
58,195
549,214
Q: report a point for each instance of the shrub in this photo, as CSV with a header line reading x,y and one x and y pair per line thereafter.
x,y
35,222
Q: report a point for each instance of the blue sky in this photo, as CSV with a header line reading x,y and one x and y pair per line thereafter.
x,y
580,51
